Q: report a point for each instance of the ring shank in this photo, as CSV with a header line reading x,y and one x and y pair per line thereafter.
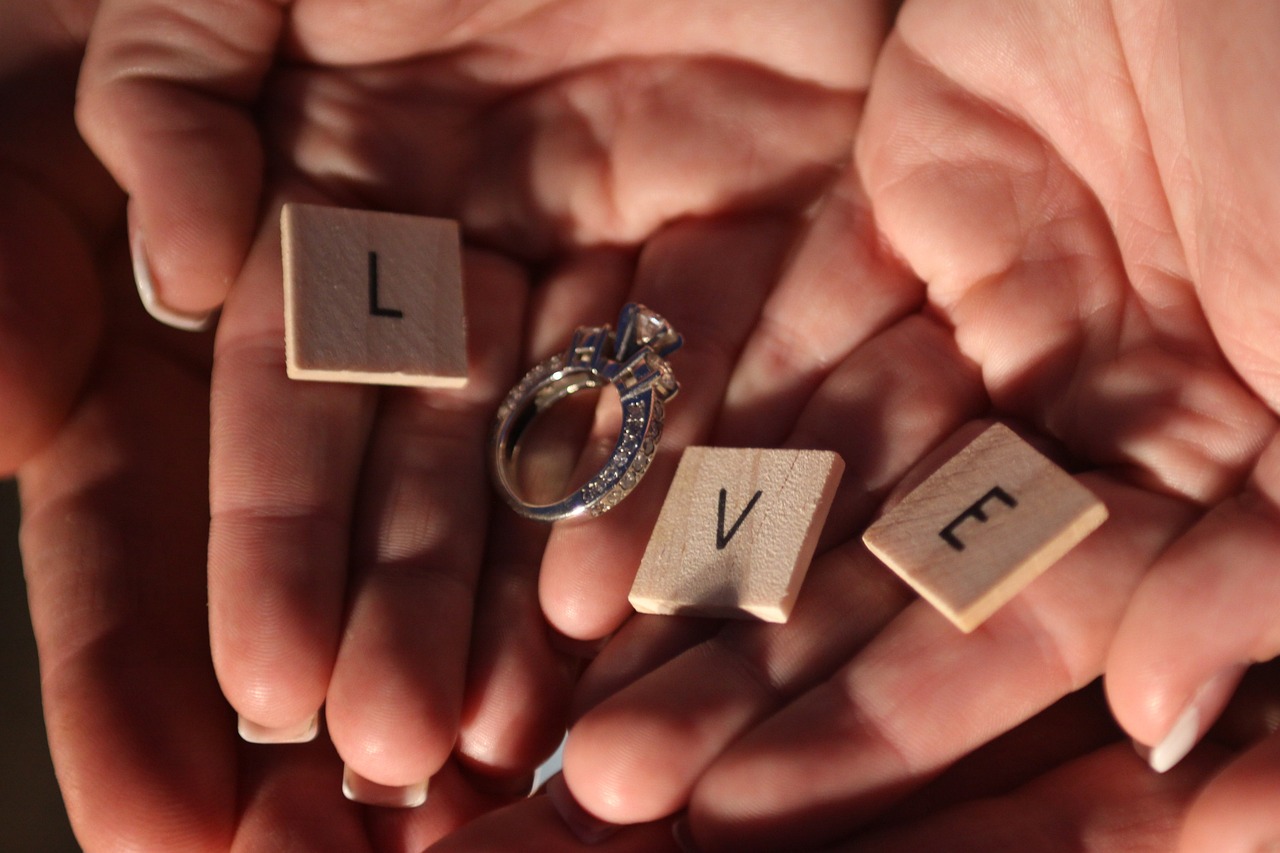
x,y
549,383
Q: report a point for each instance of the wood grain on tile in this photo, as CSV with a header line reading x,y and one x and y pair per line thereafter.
x,y
373,297
737,532
984,525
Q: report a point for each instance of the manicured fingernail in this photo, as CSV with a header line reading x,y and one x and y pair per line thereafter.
x,y
143,278
302,733
1205,705
1178,742
683,835
588,828
360,790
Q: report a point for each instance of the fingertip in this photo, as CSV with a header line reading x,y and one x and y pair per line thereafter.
x,y
577,612
1195,622
154,303
358,789
1174,739
615,773
588,568
383,741
276,692
192,169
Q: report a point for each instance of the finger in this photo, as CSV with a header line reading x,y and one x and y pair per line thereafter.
x,y
1239,809
1074,726
921,694
1201,617
394,700
638,755
837,291
293,792
639,647
588,568
534,825
1104,802
165,101
518,683
518,678
114,532
284,467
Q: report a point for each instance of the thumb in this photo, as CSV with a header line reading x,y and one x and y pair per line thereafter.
x,y
164,100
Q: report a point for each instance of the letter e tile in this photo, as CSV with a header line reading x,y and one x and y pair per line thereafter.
x,y
373,297
737,533
984,525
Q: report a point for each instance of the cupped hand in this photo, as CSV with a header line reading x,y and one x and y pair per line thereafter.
x,y
106,422
1079,190
594,152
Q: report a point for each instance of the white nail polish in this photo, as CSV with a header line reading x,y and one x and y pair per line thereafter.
x,y
147,292
251,732
360,790
1200,712
1180,740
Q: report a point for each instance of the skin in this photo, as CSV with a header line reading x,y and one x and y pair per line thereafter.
x,y
1131,206
346,528
1094,270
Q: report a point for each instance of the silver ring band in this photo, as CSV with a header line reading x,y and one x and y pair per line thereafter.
x,y
633,361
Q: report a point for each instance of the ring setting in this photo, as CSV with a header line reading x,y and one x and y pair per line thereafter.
x,y
633,361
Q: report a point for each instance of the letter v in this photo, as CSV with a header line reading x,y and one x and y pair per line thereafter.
x,y
722,538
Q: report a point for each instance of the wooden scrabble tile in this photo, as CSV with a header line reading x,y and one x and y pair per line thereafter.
x,y
737,532
984,525
373,297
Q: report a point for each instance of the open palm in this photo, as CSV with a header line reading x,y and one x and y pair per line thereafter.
x,y
594,153
1080,188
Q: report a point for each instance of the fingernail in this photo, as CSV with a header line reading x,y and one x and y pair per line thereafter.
x,y
683,835
1205,705
251,732
147,289
1177,743
360,790
588,828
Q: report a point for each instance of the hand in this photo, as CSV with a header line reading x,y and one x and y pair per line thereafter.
x,y
1065,779
1091,266
106,420
348,527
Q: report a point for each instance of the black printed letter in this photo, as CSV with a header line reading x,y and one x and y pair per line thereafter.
x,y
722,538
948,533
375,309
